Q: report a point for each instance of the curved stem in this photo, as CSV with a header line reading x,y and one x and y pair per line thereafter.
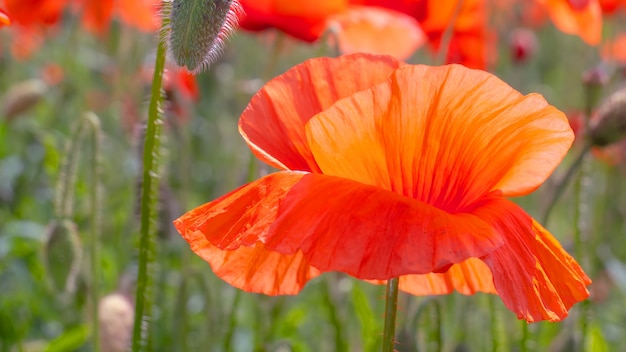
x,y
562,184
149,200
391,308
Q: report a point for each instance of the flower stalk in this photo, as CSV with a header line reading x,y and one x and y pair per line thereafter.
x,y
149,201
391,309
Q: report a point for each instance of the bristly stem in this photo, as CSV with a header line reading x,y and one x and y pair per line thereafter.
x,y
149,201
391,308
94,123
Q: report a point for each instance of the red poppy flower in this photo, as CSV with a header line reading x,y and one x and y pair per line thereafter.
x,y
470,43
392,170
609,7
96,15
578,17
357,28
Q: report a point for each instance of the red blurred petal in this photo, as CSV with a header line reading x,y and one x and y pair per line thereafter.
x,y
305,20
142,14
31,12
273,123
96,14
532,273
341,225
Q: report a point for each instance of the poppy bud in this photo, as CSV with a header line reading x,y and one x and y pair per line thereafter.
x,y
116,316
610,125
198,30
62,256
22,97
596,76
523,44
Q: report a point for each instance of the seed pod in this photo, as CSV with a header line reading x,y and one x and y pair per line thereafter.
x,y
198,30
115,316
610,125
62,256
22,97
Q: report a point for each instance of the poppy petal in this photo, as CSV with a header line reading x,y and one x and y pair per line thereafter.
x,y
532,273
378,31
273,123
446,135
341,225
4,19
467,277
254,269
586,22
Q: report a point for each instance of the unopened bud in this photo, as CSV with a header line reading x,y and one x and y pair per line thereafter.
x,y
22,97
598,75
115,316
199,29
610,125
62,256
523,44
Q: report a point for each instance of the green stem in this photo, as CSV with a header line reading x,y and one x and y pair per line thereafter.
x,y
149,200
562,184
391,308
94,123
67,177
233,322
334,318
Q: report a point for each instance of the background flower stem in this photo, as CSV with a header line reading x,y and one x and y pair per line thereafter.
x,y
391,308
94,251
149,201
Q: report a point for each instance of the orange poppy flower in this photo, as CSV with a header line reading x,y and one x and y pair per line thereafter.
x,y
392,170
578,17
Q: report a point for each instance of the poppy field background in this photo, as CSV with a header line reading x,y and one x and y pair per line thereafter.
x,y
74,92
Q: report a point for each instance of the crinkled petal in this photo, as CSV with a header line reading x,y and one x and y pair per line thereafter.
x,y
378,31
447,136
340,225
4,19
532,273
273,123
254,269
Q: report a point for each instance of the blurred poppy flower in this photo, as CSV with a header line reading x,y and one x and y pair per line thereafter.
x,y
4,18
96,15
357,28
615,50
578,17
391,170
609,7
470,43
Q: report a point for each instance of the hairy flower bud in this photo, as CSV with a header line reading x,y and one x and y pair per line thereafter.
x,y
610,125
62,256
198,30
